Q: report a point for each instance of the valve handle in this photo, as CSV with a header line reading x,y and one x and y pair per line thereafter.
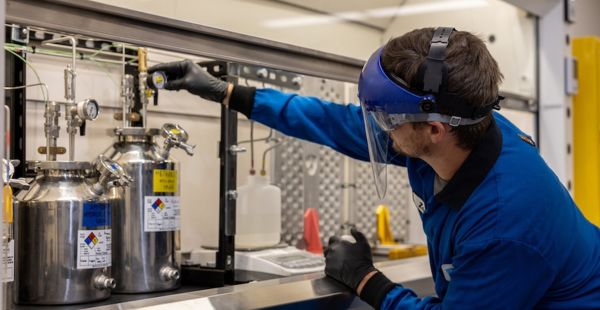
x,y
174,132
175,136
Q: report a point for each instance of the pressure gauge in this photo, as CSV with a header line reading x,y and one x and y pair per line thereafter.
x,y
88,109
157,80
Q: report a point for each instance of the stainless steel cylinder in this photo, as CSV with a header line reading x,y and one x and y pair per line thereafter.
x,y
146,220
62,238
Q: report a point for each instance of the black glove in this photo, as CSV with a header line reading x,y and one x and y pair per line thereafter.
x,y
190,76
349,262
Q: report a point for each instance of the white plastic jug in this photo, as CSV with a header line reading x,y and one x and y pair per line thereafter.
x,y
258,214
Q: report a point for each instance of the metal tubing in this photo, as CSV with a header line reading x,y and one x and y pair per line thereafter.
x,y
90,51
71,146
72,70
70,84
51,128
71,40
143,73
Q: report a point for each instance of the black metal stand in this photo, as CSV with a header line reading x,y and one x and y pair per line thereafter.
x,y
16,101
223,273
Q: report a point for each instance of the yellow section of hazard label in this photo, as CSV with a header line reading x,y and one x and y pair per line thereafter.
x,y
165,181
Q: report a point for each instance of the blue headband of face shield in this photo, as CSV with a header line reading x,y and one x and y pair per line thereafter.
x,y
392,104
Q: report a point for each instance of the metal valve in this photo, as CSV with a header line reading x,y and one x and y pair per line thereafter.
x,y
111,174
169,273
7,175
104,282
175,136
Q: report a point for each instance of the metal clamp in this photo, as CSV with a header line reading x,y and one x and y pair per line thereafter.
x,y
235,149
232,194
455,121
111,175
175,136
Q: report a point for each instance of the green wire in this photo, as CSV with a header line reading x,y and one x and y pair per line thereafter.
x,y
46,96
66,54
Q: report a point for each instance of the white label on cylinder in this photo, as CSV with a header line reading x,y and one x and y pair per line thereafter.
x,y
161,213
93,248
8,263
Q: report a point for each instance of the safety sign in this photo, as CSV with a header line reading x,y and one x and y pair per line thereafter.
x,y
93,248
161,213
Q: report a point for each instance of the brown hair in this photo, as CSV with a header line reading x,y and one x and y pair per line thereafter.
x,y
473,74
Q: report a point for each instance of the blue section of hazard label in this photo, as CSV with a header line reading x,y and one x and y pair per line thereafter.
x,y
96,214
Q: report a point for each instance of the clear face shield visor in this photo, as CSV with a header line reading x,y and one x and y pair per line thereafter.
x,y
379,142
378,128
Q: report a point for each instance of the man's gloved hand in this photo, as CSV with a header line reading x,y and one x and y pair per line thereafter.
x,y
349,262
190,76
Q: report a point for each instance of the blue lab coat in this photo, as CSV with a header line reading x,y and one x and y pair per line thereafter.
x,y
504,233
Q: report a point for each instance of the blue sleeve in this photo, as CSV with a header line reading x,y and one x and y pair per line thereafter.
x,y
496,274
338,126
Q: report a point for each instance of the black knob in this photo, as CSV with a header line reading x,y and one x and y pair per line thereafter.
x,y
82,128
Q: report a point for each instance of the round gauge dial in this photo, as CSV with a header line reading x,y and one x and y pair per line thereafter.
x,y
92,110
88,109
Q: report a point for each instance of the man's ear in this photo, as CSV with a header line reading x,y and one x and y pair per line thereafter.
x,y
438,131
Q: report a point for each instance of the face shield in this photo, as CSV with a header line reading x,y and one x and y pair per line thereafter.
x,y
387,104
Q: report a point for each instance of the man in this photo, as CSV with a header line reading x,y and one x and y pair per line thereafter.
x,y
502,231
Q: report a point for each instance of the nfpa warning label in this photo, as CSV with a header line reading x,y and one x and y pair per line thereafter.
x,y
161,213
93,248
8,259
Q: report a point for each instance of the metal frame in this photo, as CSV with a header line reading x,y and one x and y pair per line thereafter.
x,y
111,23
16,101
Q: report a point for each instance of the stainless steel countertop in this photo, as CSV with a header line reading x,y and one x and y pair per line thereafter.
x,y
305,291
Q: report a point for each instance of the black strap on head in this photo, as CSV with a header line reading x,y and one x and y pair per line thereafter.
x,y
434,74
434,77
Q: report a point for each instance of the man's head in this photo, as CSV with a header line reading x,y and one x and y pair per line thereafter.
x,y
473,75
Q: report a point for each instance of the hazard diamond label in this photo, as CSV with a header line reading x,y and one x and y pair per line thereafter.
x,y
94,248
158,205
91,240
161,213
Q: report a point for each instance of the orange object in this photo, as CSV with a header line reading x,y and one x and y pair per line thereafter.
x,y
311,231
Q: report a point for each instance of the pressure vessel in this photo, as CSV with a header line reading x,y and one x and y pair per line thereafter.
x,y
63,234
146,218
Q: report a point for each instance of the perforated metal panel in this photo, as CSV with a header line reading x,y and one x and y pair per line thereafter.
x,y
312,176
289,176
330,192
